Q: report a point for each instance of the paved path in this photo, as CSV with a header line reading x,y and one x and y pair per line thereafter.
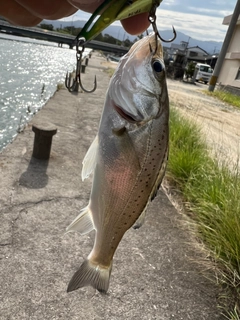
x,y
153,277
218,121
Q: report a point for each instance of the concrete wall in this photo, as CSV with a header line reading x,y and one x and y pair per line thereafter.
x,y
231,63
228,73
234,45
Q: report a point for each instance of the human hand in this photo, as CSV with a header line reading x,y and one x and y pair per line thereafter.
x,y
32,12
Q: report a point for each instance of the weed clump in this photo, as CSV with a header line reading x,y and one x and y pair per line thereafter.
x,y
225,97
212,191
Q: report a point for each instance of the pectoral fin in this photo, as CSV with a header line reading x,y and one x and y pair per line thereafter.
x,y
90,159
124,145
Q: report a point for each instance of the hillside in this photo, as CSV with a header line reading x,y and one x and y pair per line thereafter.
x,y
118,32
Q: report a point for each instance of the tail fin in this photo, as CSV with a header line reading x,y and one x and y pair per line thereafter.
x,y
91,274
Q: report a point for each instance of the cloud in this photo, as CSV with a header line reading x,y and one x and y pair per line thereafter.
x,y
207,7
79,15
197,26
198,19
169,3
210,12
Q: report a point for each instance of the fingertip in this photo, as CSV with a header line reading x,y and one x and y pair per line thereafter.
x,y
86,5
45,9
137,24
29,21
18,15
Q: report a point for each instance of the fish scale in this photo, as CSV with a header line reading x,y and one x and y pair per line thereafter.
x,y
128,158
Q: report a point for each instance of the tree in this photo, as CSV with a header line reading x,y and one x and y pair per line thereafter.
x,y
189,70
109,39
47,26
127,43
99,37
140,36
70,30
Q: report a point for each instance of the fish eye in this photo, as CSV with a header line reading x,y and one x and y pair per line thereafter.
x,y
157,66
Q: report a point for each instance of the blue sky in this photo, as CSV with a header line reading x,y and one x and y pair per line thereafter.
x,y
199,19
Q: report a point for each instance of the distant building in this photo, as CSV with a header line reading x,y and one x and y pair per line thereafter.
x,y
212,60
178,56
202,57
230,71
194,52
175,47
197,54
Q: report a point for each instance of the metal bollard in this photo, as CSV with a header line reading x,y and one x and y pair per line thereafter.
x,y
83,67
43,140
90,55
86,61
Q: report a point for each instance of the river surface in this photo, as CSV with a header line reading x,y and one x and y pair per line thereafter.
x,y
30,71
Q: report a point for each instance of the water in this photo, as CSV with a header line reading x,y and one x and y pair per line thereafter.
x,y
29,73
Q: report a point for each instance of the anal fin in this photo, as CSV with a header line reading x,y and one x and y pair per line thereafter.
x,y
160,176
83,223
140,220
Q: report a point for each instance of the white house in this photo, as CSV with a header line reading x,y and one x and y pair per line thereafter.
x,y
230,71
194,52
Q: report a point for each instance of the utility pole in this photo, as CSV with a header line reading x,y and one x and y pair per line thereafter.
x,y
228,37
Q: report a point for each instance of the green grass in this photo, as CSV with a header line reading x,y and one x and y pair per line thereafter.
x,y
225,96
212,192
233,315
110,71
60,86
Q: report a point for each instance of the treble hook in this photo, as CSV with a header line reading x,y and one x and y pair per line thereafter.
x,y
76,82
152,19
72,87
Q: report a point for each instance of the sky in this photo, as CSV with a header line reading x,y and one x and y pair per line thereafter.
x,y
199,19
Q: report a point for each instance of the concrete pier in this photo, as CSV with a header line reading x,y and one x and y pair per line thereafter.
x,y
154,275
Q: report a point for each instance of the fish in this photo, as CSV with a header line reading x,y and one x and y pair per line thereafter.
x,y
128,158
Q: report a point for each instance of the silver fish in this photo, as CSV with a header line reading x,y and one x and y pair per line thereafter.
x,y
128,158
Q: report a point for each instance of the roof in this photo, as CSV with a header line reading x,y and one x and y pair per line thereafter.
x,y
197,47
227,20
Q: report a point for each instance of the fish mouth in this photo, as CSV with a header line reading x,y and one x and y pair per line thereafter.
x,y
126,115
